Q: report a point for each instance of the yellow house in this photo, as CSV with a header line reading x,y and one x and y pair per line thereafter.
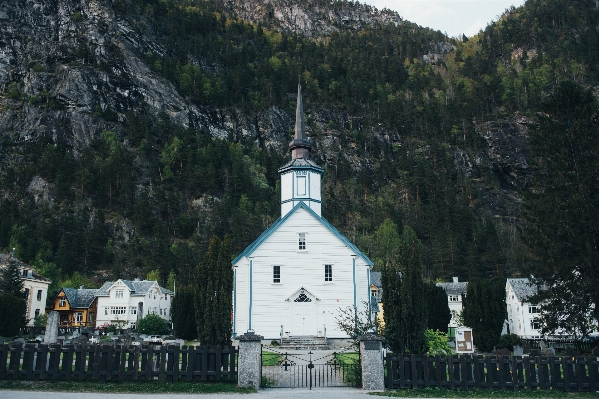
x,y
376,291
76,307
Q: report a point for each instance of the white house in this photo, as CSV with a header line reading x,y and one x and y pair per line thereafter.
x,y
455,291
123,302
522,315
293,280
35,285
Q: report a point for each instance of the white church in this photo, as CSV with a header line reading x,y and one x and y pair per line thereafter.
x,y
293,280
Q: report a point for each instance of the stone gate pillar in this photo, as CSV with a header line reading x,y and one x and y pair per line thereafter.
x,y
249,362
373,369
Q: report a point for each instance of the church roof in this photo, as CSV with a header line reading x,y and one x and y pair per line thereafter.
x,y
267,233
300,163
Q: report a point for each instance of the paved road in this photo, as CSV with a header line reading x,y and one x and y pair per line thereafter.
x,y
329,393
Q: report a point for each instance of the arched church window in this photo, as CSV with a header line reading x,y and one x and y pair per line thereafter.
x,y
302,298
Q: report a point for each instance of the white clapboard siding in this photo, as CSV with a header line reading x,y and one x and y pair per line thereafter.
x,y
270,309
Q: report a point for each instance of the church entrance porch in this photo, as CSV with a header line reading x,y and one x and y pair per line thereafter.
x,y
302,313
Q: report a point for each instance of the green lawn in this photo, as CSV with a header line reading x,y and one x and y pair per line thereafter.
x,y
444,393
270,358
124,387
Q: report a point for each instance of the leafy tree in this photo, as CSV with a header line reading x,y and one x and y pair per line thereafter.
x,y
77,280
153,275
438,311
485,312
152,324
183,313
12,314
562,210
437,343
11,281
213,286
403,289
355,324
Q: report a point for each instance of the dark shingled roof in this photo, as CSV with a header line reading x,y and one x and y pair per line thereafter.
x,y
458,288
523,288
80,298
6,259
137,287
300,162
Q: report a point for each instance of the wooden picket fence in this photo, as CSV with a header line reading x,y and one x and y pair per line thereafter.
x,y
118,362
466,372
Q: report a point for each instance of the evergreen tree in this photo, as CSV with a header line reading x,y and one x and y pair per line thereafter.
x,y
12,314
183,313
485,312
403,290
563,209
214,284
11,281
438,311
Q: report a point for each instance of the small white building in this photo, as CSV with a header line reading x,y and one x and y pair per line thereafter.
x,y
124,302
35,285
294,279
522,315
455,292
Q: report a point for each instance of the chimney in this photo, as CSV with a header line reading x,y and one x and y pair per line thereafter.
x,y
455,279
82,287
13,252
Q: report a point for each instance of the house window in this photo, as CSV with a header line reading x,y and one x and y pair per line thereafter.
x,y
63,301
132,310
106,311
160,311
78,317
39,295
165,312
154,295
302,241
533,309
37,313
116,310
118,294
328,272
90,317
373,293
454,298
535,325
276,274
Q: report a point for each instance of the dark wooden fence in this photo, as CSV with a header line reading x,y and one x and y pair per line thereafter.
x,y
515,373
118,363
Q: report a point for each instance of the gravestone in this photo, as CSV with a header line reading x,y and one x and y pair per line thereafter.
x,y
549,351
51,336
518,350
542,346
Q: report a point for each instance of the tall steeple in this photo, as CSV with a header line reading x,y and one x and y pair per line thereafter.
x,y
300,145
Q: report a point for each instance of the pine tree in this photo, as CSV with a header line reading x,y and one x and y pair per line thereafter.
x,y
184,314
485,312
213,285
438,311
11,282
403,290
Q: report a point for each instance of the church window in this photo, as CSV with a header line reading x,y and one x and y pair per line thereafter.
x,y
301,185
276,274
302,298
302,241
328,272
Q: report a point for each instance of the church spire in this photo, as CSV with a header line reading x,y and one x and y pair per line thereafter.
x,y
300,146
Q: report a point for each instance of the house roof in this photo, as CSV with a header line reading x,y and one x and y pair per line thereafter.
x,y
523,288
457,288
80,298
137,287
268,232
6,259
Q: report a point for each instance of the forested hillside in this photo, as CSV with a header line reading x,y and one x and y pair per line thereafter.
x,y
134,130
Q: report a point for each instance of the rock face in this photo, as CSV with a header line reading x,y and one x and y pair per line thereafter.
x,y
311,18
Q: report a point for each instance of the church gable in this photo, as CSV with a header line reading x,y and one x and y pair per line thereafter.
x,y
300,230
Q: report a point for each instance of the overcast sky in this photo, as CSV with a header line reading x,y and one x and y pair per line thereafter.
x,y
453,17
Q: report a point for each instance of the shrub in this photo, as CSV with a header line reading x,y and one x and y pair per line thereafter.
x,y
152,324
509,341
437,343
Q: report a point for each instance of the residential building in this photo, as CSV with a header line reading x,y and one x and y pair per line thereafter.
x,y
34,284
376,296
124,302
295,277
455,291
522,315
76,307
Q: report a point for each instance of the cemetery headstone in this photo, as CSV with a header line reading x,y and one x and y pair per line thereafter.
x,y
51,336
518,350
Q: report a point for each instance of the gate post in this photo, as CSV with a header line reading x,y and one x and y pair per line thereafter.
x,y
371,355
249,362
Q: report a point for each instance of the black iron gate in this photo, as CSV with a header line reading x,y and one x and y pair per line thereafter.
x,y
308,369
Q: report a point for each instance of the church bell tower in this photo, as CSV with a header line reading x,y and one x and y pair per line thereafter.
x,y
300,178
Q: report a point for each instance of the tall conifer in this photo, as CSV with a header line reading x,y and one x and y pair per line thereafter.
x,y
484,312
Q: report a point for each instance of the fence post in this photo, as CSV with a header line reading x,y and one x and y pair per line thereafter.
x,y
249,363
371,356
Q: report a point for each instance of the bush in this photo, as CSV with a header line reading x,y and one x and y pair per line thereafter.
x,y
152,324
437,343
509,341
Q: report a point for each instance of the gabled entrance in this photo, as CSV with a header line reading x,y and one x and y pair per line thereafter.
x,y
302,304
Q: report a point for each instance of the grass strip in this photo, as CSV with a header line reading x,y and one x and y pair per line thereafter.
x,y
445,393
124,387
